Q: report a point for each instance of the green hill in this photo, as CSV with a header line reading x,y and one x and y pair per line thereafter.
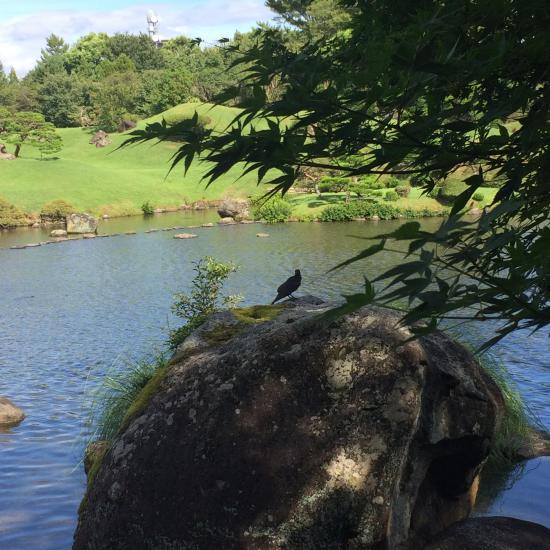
x,y
105,181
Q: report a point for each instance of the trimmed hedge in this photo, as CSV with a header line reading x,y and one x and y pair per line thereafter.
x,y
368,209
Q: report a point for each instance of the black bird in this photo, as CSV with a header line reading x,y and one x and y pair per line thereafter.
x,y
289,286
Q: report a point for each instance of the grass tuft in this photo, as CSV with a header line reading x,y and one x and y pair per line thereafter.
x,y
125,394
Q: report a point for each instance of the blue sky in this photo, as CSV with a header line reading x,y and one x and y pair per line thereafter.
x,y
24,24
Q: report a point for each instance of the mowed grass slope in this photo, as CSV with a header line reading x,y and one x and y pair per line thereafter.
x,y
107,181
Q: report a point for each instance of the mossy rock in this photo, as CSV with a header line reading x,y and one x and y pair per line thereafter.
x,y
257,314
246,316
144,396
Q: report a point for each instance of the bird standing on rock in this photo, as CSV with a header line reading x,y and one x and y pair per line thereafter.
x,y
289,286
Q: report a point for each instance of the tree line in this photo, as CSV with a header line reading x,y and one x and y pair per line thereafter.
x,y
102,79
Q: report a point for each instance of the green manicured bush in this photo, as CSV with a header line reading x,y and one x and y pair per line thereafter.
x,y
392,182
360,190
56,210
403,190
205,297
329,184
478,196
358,209
391,196
451,189
274,210
147,208
10,215
372,182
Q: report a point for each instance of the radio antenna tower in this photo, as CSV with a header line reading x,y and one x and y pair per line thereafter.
x,y
153,27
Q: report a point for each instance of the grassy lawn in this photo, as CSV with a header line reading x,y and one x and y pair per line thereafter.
x,y
105,181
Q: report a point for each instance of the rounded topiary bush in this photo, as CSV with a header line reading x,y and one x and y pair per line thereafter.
x,y
391,196
393,182
328,184
478,196
56,211
451,189
273,210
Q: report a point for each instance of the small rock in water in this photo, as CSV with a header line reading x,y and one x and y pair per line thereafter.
x,y
10,414
262,235
207,224
105,217
35,225
130,233
227,221
159,210
89,236
152,230
185,236
58,233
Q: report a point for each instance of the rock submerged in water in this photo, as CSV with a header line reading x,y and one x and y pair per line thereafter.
x,y
10,414
81,223
58,233
298,433
493,533
185,236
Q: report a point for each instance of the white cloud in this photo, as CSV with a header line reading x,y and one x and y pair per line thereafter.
x,y
21,38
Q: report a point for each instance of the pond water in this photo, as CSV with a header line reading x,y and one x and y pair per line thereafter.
x,y
72,311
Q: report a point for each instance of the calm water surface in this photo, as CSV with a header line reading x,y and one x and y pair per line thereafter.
x,y
72,311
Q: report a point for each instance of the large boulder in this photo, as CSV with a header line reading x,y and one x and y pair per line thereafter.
x,y
4,154
301,431
81,223
234,208
10,414
100,139
493,533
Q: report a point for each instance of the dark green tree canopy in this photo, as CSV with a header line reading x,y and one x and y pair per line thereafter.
x,y
423,89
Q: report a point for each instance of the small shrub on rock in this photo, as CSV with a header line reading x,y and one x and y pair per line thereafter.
x,y
204,299
273,210
391,196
